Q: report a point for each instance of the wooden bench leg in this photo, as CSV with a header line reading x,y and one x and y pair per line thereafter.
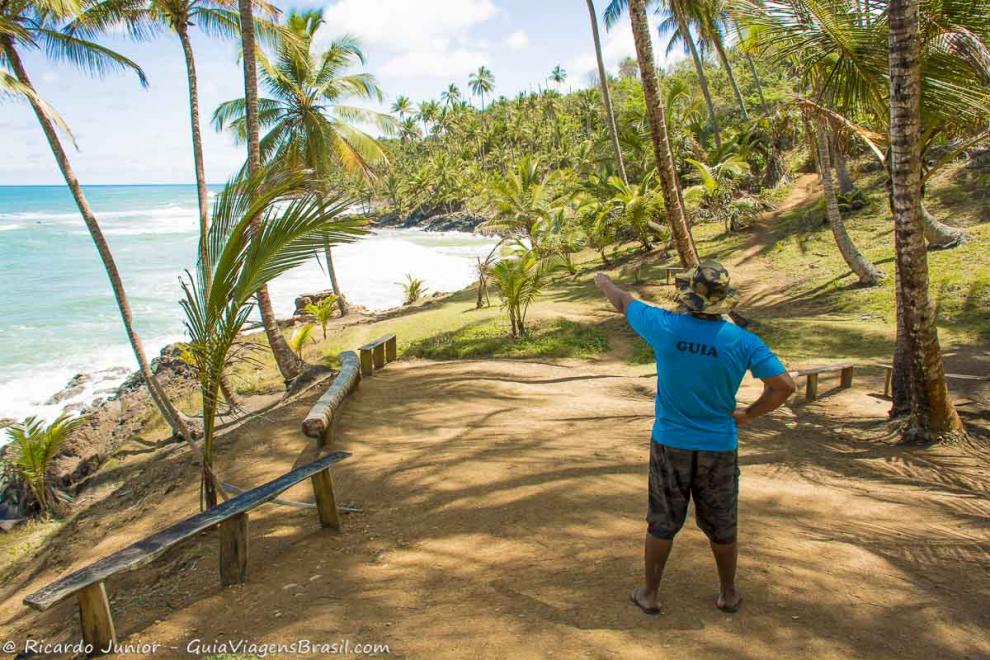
x,y
95,619
390,350
366,362
847,377
379,356
888,380
326,504
233,549
811,391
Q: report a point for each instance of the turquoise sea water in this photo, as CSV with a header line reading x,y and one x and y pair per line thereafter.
x,y
57,313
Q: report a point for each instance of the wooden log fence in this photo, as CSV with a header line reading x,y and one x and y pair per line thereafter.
x,y
320,421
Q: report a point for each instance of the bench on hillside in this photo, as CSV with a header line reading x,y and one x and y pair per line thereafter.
x,y
845,371
670,271
376,353
87,584
888,378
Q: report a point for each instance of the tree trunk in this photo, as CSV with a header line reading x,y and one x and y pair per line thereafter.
x,y
866,272
197,142
679,229
933,416
287,362
332,272
900,389
938,234
699,67
720,49
172,416
846,185
606,97
756,79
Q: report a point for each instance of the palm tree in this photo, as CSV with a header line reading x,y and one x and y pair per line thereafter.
x,y
677,26
520,279
217,296
31,24
635,205
679,229
606,97
481,82
522,200
402,107
286,361
558,75
933,416
451,95
711,18
306,117
34,448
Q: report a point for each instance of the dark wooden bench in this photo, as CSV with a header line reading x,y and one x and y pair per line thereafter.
x,y
376,353
670,271
845,371
87,584
888,378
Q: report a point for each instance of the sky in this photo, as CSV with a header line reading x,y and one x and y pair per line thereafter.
x,y
127,134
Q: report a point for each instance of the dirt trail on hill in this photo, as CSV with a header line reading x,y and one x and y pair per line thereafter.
x,y
503,507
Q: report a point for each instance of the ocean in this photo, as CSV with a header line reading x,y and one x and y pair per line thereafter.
x,y
57,313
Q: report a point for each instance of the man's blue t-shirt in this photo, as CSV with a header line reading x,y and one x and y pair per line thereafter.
x,y
700,365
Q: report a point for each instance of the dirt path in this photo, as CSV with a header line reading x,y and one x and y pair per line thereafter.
x,y
503,509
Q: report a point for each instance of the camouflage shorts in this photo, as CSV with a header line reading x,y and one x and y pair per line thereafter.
x,y
710,478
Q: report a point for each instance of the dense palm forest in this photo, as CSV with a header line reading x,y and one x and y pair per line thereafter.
x,y
642,157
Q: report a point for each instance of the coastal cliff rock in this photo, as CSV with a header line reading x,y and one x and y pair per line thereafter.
x,y
454,221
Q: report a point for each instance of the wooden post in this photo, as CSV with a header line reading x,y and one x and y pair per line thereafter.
x,y
379,356
847,377
326,505
390,350
888,380
366,362
233,550
95,619
811,392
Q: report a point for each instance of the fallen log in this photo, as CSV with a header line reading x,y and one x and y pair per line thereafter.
x,y
319,422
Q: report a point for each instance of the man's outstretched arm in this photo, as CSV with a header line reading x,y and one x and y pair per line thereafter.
x,y
620,299
776,390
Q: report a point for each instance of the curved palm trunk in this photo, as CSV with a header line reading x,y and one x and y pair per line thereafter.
x,y
699,68
938,234
679,229
197,139
720,49
866,272
341,303
288,364
606,97
933,416
846,185
172,416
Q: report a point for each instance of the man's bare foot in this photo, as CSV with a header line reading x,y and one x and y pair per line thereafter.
x,y
729,601
648,605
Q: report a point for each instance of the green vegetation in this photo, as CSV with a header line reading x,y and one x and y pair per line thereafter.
x,y
412,289
322,311
35,445
555,339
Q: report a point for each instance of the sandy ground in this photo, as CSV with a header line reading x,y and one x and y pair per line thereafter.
x,y
503,508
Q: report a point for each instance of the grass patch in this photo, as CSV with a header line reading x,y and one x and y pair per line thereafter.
x,y
554,339
22,542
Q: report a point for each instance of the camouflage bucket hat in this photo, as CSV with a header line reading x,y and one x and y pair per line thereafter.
x,y
705,289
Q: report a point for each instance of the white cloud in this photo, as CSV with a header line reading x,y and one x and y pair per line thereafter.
x,y
424,38
517,40
617,44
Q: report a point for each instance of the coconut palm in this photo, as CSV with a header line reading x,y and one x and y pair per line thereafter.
x,y
308,122
933,415
27,25
481,82
606,97
451,95
34,445
322,311
217,296
300,337
558,75
711,19
520,279
402,107
679,229
522,199
636,205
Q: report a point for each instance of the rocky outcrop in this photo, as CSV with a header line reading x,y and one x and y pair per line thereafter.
x,y
454,221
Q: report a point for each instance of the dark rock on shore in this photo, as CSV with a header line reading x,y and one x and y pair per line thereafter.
x,y
453,221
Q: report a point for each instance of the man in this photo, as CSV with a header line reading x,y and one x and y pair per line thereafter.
x,y
701,361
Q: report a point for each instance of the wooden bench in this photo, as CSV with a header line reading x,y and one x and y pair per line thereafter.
x,y
888,378
87,584
844,369
670,271
376,353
